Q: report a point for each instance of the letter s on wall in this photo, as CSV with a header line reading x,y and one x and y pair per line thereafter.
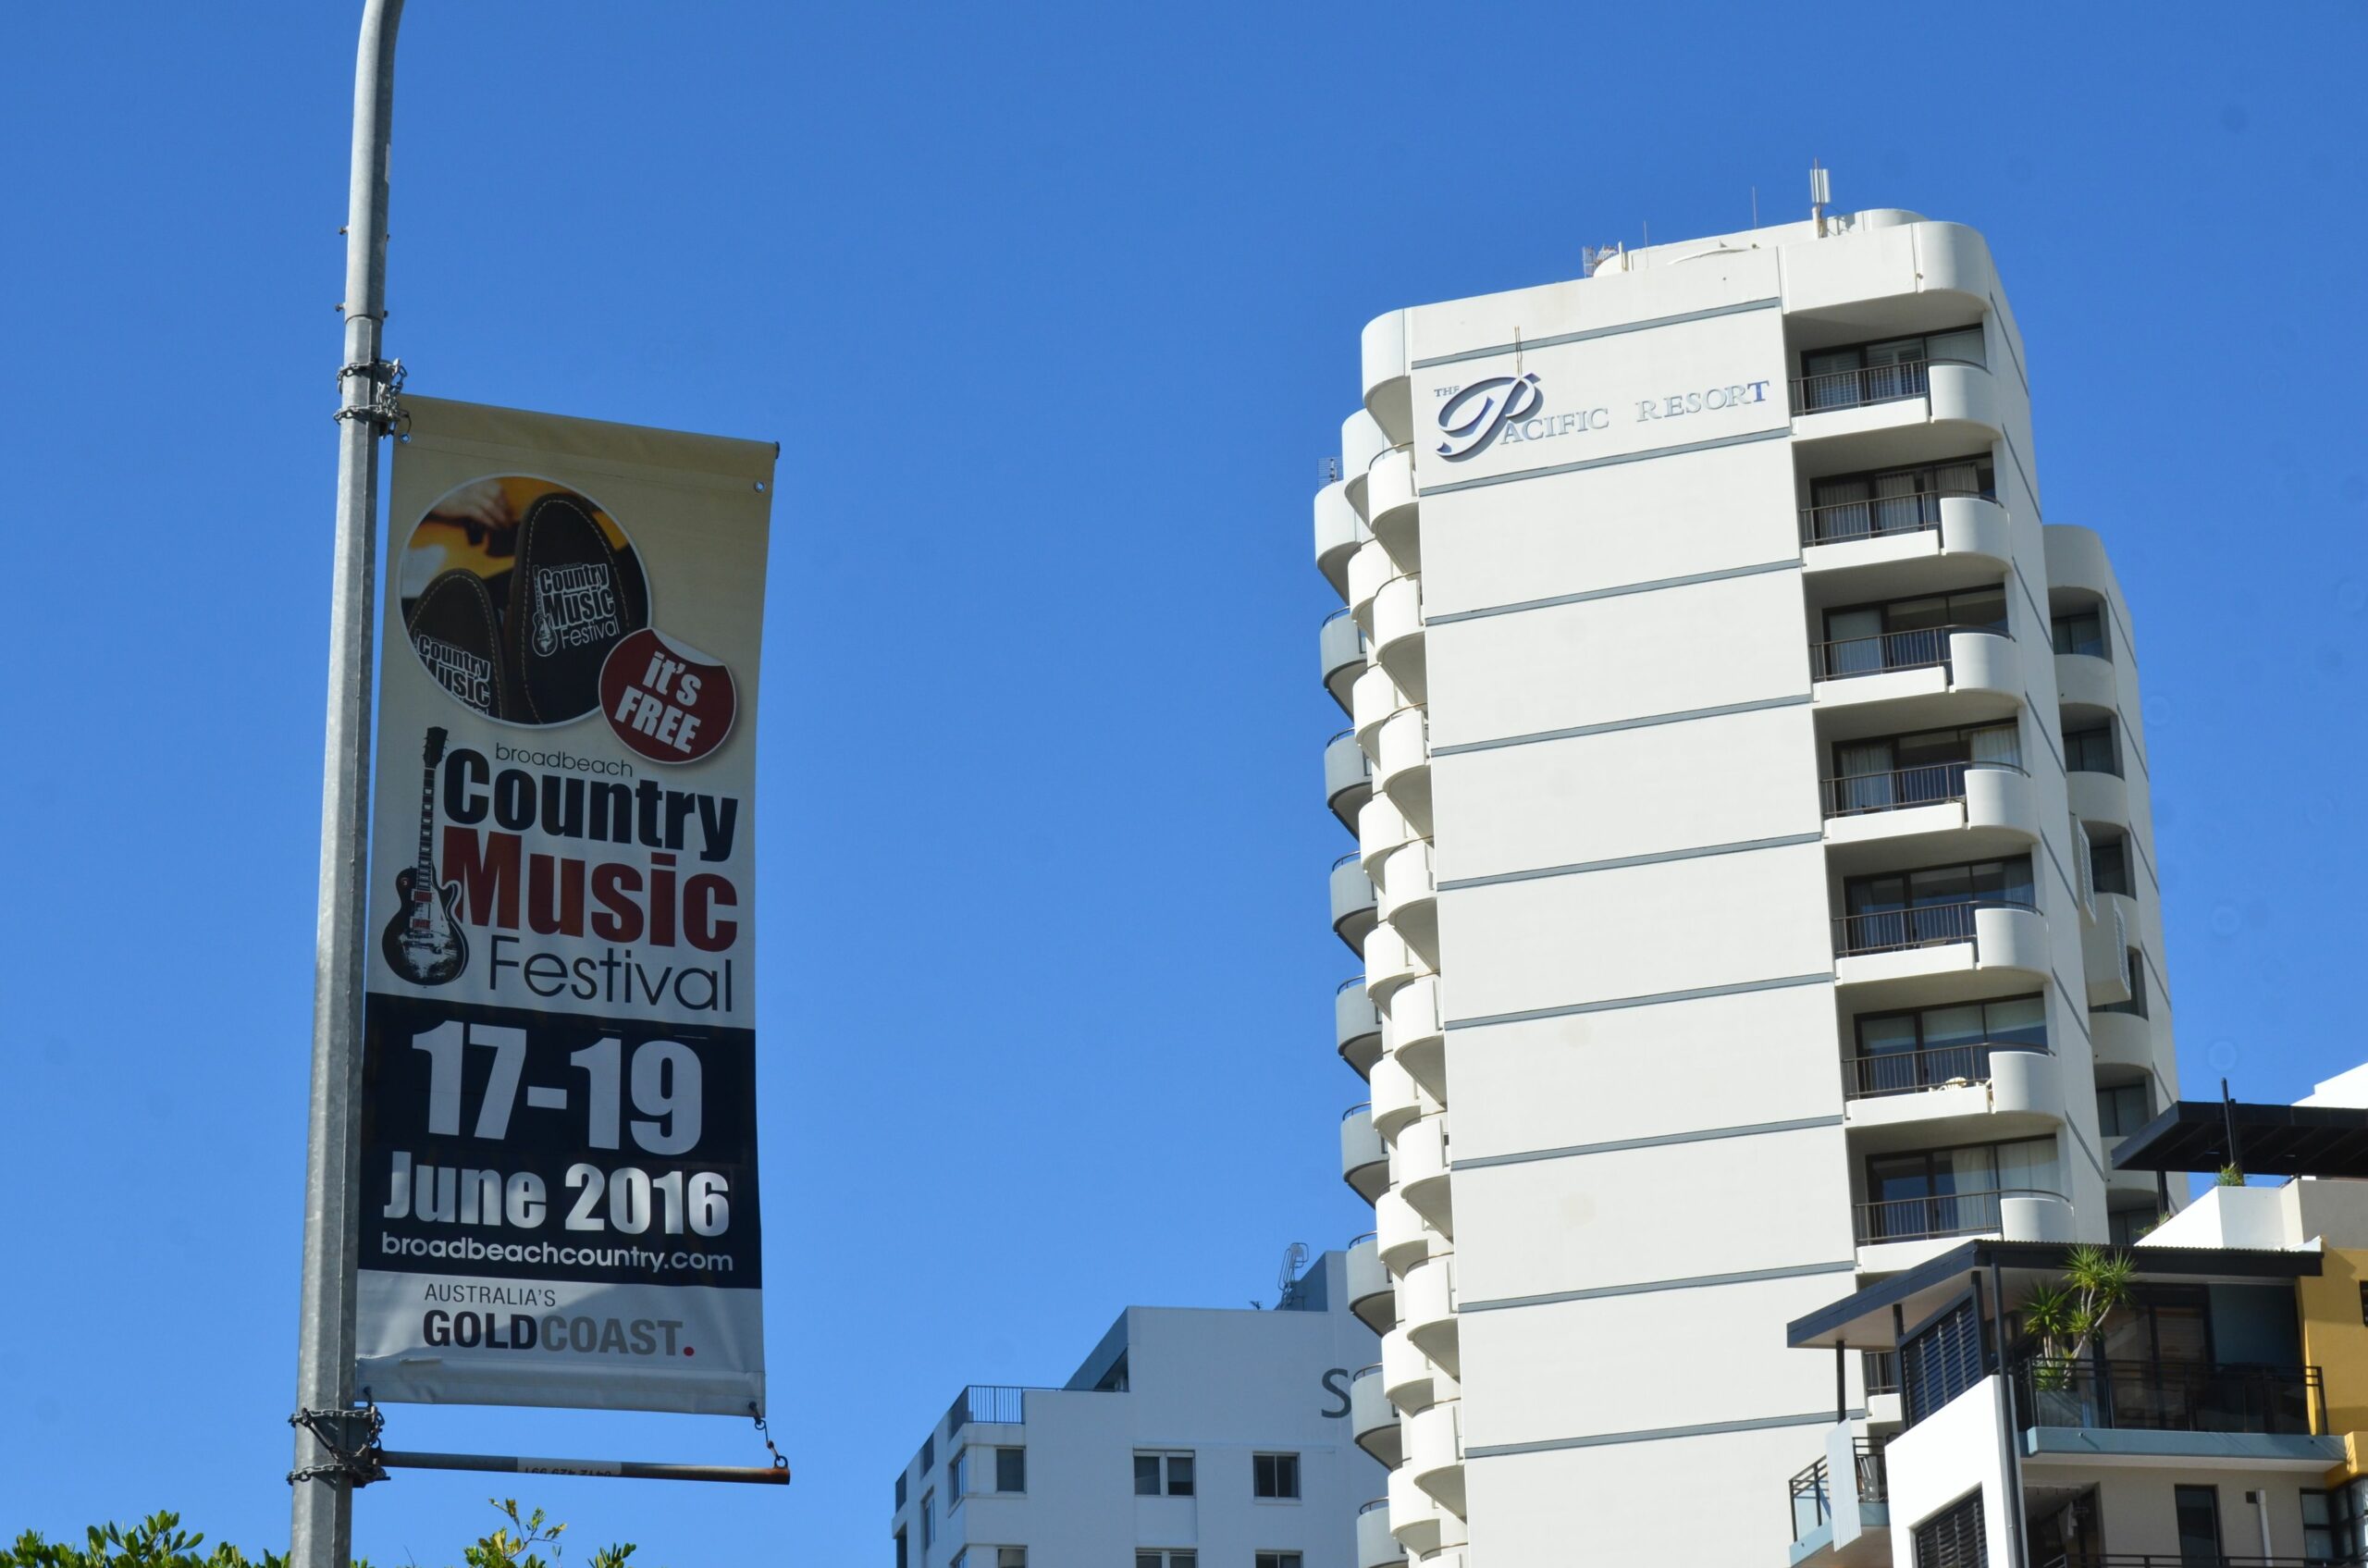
x,y
1336,1390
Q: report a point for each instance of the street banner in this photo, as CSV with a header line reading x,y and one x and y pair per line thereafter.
x,y
557,1202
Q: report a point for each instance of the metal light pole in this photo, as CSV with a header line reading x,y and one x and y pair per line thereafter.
x,y
322,1530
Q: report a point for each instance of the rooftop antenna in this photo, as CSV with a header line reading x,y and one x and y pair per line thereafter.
x,y
1821,194
1331,470
1754,206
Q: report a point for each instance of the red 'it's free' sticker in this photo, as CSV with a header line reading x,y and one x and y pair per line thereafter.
x,y
668,702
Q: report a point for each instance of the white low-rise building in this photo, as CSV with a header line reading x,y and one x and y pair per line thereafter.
x,y
1190,1438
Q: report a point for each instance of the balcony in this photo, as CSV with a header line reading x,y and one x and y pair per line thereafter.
x,y
1921,678
1926,925
1368,569
1395,1100
1353,902
1859,388
2169,1396
1913,411
1418,1035
2085,680
1372,1422
1356,1026
1394,512
2122,1040
1361,441
1342,648
1371,1295
1411,1379
1390,393
2098,797
1398,1232
1427,1297
1905,957
1390,964
988,1404
1831,1526
1409,897
1401,767
1950,1094
1420,1173
1381,828
1901,546
1348,778
1397,644
2014,1214
1435,1452
1986,806
1365,1164
1415,1517
1376,1548
1339,532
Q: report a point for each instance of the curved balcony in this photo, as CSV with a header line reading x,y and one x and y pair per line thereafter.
x,y
1903,413
1339,532
1407,897
1354,902
1376,1548
1395,513
1435,1452
1361,441
1390,964
1415,1516
1417,1036
1900,1233
1969,1094
1390,392
1381,828
2104,952
1368,569
1930,678
1371,700
1400,1234
1342,650
2122,1040
1408,1378
1402,765
1372,1295
1348,778
1365,1164
1897,547
1395,1101
1356,1025
1426,1305
1420,1173
1373,1420
1902,950
1398,634
2127,1188
2098,797
2083,680
1979,809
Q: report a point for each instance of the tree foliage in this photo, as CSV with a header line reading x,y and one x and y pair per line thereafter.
x,y
158,1541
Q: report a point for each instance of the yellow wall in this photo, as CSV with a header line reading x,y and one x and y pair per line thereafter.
x,y
2335,1339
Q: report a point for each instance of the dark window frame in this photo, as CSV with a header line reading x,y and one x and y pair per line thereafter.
x,y
2056,625
1275,1477
2085,736
1976,325
1948,599
1011,1464
1907,875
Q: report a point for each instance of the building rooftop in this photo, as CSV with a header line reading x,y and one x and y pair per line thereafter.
x,y
2261,1139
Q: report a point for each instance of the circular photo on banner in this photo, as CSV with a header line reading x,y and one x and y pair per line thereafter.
x,y
515,590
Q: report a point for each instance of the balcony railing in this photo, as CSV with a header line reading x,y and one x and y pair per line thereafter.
x,y
1941,1214
1935,1067
1872,384
1839,522
997,1403
1925,648
1933,784
1812,1496
2186,1560
2170,1396
1927,925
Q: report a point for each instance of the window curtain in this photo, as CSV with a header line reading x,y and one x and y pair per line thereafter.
x,y
1963,345
1998,745
1855,643
1865,781
1842,510
1899,506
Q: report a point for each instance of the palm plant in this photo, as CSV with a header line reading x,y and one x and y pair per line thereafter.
x,y
2067,1316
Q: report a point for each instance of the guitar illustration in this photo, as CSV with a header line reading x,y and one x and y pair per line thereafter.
x,y
423,943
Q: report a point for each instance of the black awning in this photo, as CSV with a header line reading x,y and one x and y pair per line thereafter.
x,y
2271,1140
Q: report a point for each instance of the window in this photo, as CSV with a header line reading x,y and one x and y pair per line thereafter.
x,y
2199,1522
1864,506
2109,861
1865,373
2318,1527
1952,1538
928,1520
1915,770
1011,1557
900,1491
1274,1476
1167,1560
1163,1475
1011,1470
958,1477
2090,750
2083,631
2121,1110
1933,1047
902,1560
2126,1227
1931,905
929,1452
961,1559
1278,1560
2136,1006
1950,1192
1907,634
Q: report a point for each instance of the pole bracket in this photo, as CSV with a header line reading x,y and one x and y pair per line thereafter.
x,y
380,406
350,1436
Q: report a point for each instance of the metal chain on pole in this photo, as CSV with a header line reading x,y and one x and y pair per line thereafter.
x,y
381,406
354,1456
780,1461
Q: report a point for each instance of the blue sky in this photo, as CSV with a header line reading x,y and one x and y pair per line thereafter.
x,y
1056,315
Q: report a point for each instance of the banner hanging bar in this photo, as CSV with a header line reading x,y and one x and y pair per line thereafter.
x,y
627,1469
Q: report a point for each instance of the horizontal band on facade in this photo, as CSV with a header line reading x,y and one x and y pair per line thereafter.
x,y
1621,590
1574,732
1661,1140
1783,432
1658,1434
1657,858
1589,333
1654,1287
1614,1004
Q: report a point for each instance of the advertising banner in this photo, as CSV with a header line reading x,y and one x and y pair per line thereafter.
x,y
559,1154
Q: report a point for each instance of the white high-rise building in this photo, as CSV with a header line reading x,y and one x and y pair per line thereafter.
x,y
1753,877
1190,1438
